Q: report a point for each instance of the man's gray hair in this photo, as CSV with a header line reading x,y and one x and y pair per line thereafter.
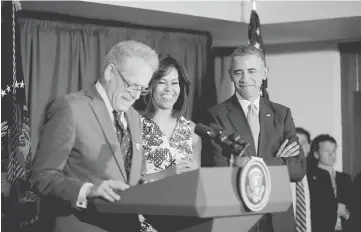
x,y
130,48
248,50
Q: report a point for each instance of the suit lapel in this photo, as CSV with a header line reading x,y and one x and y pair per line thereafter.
x,y
107,126
239,121
266,116
137,154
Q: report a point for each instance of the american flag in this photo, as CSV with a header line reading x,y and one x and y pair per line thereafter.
x,y
14,125
255,39
16,156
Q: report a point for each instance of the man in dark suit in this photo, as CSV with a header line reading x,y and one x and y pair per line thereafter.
x,y
356,203
267,126
90,145
330,191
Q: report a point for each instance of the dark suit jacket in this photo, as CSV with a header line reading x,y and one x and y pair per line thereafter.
x,y
323,201
78,144
356,203
276,125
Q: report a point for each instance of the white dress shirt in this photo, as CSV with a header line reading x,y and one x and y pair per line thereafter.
x,y
244,104
307,201
82,201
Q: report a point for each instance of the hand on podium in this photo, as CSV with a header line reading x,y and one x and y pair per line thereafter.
x,y
186,165
150,177
109,190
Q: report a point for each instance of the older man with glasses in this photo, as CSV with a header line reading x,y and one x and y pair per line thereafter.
x,y
90,145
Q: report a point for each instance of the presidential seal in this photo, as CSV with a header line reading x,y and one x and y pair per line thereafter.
x,y
255,184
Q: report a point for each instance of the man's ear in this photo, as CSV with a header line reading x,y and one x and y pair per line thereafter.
x,y
307,149
230,74
265,73
317,155
108,72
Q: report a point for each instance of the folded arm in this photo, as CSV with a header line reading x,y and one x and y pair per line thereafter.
x,y
295,161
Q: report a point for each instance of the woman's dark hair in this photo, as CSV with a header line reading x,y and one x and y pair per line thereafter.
x,y
166,63
312,161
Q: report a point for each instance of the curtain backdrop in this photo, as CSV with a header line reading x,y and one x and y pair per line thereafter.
x,y
223,83
350,54
62,57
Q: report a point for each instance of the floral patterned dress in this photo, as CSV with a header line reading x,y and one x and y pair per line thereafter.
x,y
162,152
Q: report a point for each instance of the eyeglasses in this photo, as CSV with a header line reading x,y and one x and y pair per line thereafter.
x,y
133,88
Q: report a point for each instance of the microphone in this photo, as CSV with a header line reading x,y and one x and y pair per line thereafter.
x,y
236,138
220,136
233,140
215,133
204,131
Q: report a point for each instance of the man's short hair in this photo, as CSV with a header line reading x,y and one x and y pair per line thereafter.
x,y
166,63
300,130
246,50
315,145
126,49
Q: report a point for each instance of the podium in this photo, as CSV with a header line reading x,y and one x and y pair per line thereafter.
x,y
203,200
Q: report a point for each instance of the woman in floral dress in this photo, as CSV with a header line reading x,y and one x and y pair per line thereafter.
x,y
168,138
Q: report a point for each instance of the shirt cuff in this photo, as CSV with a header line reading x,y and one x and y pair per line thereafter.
x,y
82,202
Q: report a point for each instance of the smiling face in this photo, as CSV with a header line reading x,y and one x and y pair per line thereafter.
x,y
133,72
168,89
247,73
326,154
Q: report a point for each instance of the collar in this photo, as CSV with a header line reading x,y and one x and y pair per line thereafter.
x,y
245,103
105,98
99,88
330,170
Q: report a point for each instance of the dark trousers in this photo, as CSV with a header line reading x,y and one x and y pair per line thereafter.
x,y
264,225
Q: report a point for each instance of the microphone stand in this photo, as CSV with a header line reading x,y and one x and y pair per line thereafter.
x,y
233,144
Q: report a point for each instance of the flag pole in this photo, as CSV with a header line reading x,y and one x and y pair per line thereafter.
x,y
255,39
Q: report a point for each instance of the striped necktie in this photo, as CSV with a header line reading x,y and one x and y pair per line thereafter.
x,y
300,207
124,140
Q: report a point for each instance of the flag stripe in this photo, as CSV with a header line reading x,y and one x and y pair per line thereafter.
x,y
16,134
255,39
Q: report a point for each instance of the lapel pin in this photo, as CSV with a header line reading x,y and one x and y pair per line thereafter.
x,y
268,114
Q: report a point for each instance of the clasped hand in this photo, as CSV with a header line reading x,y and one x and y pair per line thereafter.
x,y
342,211
289,151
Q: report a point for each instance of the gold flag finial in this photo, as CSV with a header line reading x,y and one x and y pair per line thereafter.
x,y
17,5
253,4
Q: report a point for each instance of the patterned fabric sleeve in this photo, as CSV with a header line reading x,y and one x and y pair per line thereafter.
x,y
162,152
